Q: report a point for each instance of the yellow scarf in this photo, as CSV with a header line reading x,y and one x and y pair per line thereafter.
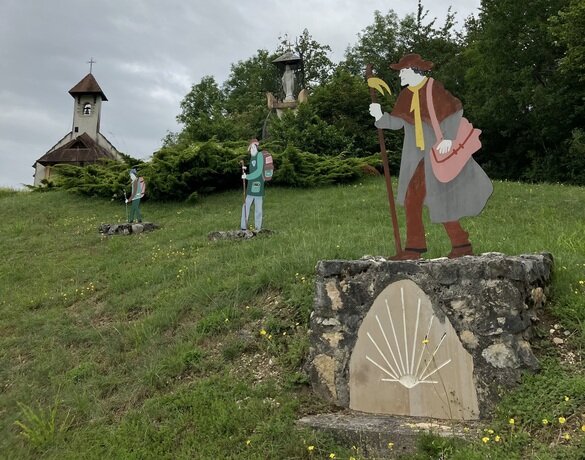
x,y
415,107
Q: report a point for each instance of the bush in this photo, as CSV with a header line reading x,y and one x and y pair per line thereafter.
x,y
304,129
564,164
184,172
106,178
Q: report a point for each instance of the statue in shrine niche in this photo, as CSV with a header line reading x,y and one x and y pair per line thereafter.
x,y
288,83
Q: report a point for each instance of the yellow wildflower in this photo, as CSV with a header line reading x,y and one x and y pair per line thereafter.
x,y
331,455
567,436
485,439
511,421
490,431
311,448
497,438
545,421
566,398
562,420
390,445
582,427
248,442
263,332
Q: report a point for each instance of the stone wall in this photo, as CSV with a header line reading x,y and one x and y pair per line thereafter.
x,y
489,301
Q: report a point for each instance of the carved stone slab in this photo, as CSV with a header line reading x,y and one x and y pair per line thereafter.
x,y
408,362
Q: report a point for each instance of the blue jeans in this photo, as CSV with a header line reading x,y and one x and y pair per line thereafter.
x,y
257,200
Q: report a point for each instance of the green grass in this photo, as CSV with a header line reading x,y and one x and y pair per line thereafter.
x,y
151,346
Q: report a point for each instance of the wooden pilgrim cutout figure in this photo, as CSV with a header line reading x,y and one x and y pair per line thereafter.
x,y
255,189
138,190
464,195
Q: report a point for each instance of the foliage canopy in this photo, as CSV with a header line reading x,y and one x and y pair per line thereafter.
x,y
517,67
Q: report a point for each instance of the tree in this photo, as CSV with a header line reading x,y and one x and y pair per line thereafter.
x,y
236,110
567,27
389,38
204,100
202,113
343,102
249,80
378,44
514,92
245,91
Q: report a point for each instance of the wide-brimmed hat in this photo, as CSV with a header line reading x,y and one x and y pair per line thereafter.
x,y
412,61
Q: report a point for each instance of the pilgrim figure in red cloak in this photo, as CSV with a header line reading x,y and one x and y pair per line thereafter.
x,y
465,195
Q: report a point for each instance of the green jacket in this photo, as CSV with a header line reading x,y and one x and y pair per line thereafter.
x,y
255,176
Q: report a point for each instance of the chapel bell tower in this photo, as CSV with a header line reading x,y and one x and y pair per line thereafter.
x,y
87,106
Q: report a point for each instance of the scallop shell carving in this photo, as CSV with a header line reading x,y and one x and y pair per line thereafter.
x,y
403,369
408,361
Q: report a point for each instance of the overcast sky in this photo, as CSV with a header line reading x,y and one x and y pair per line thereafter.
x,y
148,53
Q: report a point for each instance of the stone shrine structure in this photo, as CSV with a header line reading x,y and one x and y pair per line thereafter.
x,y
426,338
287,63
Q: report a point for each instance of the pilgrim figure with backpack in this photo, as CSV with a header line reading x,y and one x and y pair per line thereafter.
x,y
260,170
138,190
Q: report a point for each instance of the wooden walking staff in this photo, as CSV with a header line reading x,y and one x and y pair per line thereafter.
x,y
378,84
244,187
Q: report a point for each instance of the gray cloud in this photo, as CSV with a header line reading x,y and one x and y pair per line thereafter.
x,y
148,55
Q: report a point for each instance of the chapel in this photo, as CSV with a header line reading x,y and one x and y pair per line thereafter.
x,y
84,144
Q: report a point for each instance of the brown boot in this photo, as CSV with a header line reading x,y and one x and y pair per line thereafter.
x,y
409,254
462,250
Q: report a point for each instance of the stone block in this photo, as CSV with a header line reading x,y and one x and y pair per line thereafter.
x,y
127,228
431,338
237,234
384,437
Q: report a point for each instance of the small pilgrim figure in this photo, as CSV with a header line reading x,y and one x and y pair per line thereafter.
x,y
138,190
255,189
465,194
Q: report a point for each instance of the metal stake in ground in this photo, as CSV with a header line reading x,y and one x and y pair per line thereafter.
x,y
244,189
379,84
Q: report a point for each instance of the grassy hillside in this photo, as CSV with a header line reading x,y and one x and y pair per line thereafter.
x,y
164,345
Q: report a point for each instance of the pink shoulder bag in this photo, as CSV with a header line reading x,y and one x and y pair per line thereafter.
x,y
447,166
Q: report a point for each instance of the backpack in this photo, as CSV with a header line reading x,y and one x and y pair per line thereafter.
x,y
142,186
268,170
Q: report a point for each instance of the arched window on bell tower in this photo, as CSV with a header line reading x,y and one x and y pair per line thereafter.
x,y
87,109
